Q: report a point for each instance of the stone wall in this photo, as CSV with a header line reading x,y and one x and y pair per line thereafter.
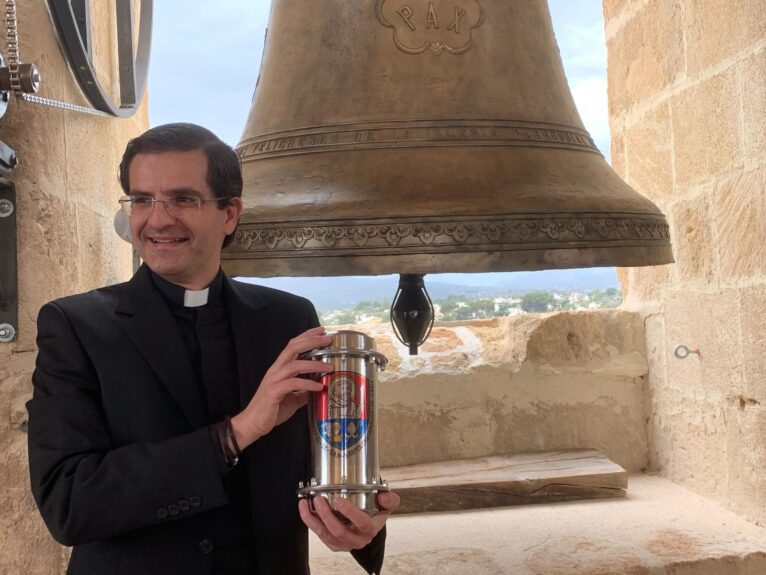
x,y
529,383
67,191
687,92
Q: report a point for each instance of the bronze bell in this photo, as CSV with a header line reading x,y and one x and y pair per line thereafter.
x,y
417,136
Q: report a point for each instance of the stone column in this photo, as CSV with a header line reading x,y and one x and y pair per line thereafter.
x,y
687,92
67,191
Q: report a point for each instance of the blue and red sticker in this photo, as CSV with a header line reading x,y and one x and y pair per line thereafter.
x,y
342,408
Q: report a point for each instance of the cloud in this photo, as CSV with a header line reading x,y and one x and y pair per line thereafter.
x,y
205,61
590,96
579,29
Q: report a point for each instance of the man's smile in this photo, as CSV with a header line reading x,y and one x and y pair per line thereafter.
x,y
166,241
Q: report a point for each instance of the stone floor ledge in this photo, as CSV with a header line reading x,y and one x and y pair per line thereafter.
x,y
659,529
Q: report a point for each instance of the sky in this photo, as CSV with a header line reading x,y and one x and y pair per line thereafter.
x,y
206,55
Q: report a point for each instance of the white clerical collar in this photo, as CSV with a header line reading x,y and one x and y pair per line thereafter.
x,y
195,298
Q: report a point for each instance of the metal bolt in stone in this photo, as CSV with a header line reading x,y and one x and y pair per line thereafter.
x,y
6,208
7,333
683,351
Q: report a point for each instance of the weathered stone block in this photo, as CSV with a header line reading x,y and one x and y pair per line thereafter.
x,y
656,357
706,129
650,153
739,217
605,341
596,343
624,277
99,249
693,429
31,549
104,22
646,56
21,363
697,429
48,232
15,390
647,284
571,411
716,31
745,454
527,383
753,74
613,8
42,160
710,323
695,248
752,314
439,428
5,358
98,189
618,158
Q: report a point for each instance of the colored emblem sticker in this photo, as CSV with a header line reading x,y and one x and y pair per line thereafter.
x,y
342,409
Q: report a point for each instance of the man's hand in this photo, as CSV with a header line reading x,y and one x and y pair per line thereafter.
x,y
340,536
281,392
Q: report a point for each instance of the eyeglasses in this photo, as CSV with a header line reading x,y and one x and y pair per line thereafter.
x,y
177,206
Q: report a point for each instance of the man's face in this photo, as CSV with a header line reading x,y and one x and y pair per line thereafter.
x,y
184,248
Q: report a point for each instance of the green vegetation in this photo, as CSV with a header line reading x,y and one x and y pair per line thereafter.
x,y
463,307
537,301
362,311
455,309
611,297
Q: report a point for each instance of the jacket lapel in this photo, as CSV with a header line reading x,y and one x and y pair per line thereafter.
x,y
249,324
151,327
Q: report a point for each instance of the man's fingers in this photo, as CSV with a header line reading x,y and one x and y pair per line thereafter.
x,y
365,525
311,339
358,518
353,538
311,520
306,366
315,524
293,370
307,342
388,501
301,345
296,386
313,330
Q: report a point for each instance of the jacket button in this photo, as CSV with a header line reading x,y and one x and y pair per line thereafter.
x,y
206,546
184,505
162,513
173,509
195,501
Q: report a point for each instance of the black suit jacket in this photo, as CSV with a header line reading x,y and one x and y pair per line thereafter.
x,y
122,463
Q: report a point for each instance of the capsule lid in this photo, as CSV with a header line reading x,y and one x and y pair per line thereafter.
x,y
349,342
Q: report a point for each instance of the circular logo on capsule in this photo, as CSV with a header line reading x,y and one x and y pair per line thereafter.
x,y
342,409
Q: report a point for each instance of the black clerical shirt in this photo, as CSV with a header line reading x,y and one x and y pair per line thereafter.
x,y
207,335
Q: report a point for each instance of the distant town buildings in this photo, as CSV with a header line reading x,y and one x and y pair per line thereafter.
x,y
461,307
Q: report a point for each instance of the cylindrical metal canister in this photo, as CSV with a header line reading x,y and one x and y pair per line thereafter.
x,y
343,423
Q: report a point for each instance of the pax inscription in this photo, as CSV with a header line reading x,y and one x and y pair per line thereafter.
x,y
431,25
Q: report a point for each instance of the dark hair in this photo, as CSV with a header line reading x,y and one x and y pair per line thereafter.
x,y
224,175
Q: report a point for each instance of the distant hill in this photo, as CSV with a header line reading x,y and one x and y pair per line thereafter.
x,y
329,293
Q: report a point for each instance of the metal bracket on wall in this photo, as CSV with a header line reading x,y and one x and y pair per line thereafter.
x,y
9,300
9,297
